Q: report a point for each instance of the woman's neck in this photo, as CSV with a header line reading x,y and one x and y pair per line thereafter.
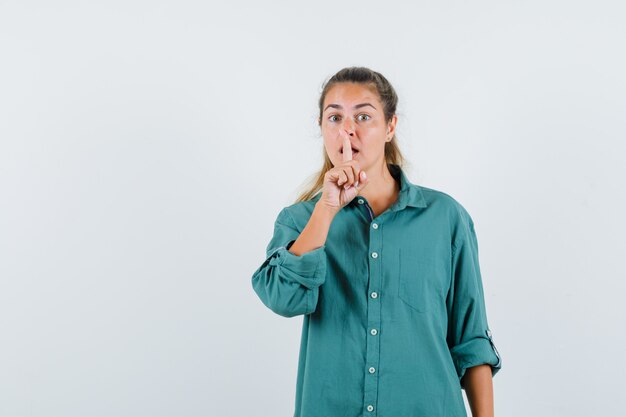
x,y
382,190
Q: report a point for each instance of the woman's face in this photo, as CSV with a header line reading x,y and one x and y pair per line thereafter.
x,y
356,110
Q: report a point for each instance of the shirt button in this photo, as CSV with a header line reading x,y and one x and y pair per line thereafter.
x,y
360,201
374,294
374,332
372,370
374,255
370,408
375,225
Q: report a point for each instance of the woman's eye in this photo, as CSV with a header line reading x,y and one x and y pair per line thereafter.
x,y
363,117
333,118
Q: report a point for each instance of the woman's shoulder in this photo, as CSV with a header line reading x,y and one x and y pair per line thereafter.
x,y
299,212
450,211
438,199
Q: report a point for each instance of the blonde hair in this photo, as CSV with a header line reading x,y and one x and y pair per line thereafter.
x,y
388,98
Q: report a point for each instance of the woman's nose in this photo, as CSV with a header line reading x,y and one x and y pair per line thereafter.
x,y
348,126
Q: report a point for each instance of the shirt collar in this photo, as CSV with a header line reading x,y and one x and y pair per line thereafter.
x,y
410,194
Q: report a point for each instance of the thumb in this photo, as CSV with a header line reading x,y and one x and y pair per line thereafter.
x,y
363,181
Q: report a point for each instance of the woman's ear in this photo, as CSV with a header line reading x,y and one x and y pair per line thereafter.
x,y
391,127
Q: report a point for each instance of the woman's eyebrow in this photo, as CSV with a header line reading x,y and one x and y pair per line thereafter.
x,y
358,106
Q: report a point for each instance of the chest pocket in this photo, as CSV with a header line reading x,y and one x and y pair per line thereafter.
x,y
419,284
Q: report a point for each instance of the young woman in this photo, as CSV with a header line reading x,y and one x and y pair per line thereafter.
x,y
384,272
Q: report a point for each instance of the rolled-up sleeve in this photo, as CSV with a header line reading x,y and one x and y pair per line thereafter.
x,y
286,283
469,337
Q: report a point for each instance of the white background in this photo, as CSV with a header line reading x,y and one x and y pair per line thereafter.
x,y
147,147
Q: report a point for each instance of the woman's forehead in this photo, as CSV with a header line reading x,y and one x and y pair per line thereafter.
x,y
351,93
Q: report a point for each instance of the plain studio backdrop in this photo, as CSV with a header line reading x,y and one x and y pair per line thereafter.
x,y
147,148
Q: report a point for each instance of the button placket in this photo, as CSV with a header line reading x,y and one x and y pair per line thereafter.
x,y
373,314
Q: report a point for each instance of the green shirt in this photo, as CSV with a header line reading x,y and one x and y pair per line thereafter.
x,y
393,307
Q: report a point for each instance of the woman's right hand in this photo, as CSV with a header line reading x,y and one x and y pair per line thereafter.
x,y
343,182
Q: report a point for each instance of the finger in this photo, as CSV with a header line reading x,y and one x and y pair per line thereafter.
x,y
349,175
356,171
333,176
343,178
347,147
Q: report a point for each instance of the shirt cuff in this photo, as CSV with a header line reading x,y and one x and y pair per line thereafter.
x,y
478,351
309,269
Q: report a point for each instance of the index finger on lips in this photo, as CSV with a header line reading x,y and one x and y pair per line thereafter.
x,y
347,148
